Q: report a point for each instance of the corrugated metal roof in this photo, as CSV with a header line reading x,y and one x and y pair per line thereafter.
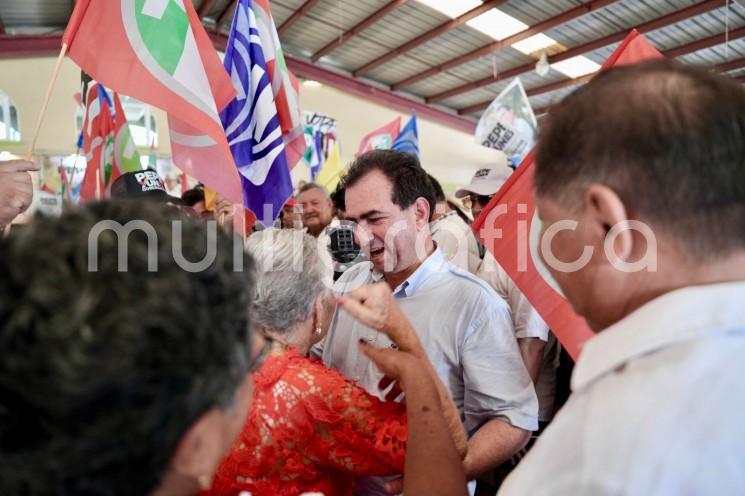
x,y
327,20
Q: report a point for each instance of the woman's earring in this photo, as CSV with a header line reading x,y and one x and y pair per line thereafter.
x,y
318,330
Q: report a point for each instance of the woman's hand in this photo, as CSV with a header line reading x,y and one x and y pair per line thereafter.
x,y
397,365
374,306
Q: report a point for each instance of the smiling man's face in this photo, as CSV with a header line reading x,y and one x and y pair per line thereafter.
x,y
316,210
385,231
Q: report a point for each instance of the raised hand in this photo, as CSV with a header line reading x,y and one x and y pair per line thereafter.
x,y
16,188
374,306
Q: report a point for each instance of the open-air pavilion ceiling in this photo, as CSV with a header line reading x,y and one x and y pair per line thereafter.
x,y
446,59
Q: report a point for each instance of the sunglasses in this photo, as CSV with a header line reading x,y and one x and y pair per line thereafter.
x,y
471,200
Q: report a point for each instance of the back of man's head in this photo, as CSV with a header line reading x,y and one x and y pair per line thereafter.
x,y
668,139
103,371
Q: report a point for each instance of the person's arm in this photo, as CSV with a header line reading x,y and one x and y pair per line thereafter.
x,y
531,349
374,306
500,402
433,466
495,442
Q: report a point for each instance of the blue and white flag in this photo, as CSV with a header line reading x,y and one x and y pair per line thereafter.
x,y
251,121
408,138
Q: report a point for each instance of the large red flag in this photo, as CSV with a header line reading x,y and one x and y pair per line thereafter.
x,y
511,234
159,52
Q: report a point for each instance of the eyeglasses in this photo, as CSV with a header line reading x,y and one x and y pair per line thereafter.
x,y
470,200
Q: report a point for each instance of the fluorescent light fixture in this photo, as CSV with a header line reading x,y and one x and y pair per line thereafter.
x,y
534,44
451,8
497,24
576,66
310,83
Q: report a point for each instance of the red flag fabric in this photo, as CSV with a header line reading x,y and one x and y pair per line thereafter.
x,y
382,137
510,230
98,144
159,53
126,156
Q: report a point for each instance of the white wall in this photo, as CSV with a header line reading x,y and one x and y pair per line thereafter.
x,y
448,154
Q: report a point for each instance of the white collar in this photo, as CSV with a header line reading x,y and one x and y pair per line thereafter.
x,y
432,264
685,314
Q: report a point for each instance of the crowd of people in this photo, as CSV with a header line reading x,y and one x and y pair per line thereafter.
x,y
370,345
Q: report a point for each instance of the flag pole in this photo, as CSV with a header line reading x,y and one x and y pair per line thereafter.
x,y
45,105
35,136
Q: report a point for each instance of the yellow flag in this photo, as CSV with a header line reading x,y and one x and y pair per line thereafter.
x,y
210,199
331,170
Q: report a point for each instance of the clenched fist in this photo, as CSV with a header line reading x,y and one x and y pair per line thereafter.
x,y
16,189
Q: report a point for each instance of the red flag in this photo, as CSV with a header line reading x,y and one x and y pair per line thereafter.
x,y
98,143
517,228
159,52
126,156
381,138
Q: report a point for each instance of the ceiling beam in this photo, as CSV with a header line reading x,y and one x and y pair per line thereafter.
x,y
362,89
425,37
309,4
731,65
492,48
204,8
230,7
672,53
660,22
13,47
361,26
349,84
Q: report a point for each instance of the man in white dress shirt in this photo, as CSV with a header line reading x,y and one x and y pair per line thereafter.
x,y
658,398
464,326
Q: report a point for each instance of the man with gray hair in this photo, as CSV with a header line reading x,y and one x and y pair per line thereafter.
x,y
316,208
654,187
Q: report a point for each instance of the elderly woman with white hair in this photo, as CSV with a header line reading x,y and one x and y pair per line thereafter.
x,y
311,430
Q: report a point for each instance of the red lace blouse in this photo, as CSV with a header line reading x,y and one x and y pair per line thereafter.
x,y
310,429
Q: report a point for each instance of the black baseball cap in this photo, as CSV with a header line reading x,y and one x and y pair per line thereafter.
x,y
145,184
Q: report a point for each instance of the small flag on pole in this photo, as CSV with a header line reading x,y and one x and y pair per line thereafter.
x,y
408,140
98,142
381,138
331,170
126,156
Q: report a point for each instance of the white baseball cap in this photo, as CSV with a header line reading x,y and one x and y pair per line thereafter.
x,y
487,181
